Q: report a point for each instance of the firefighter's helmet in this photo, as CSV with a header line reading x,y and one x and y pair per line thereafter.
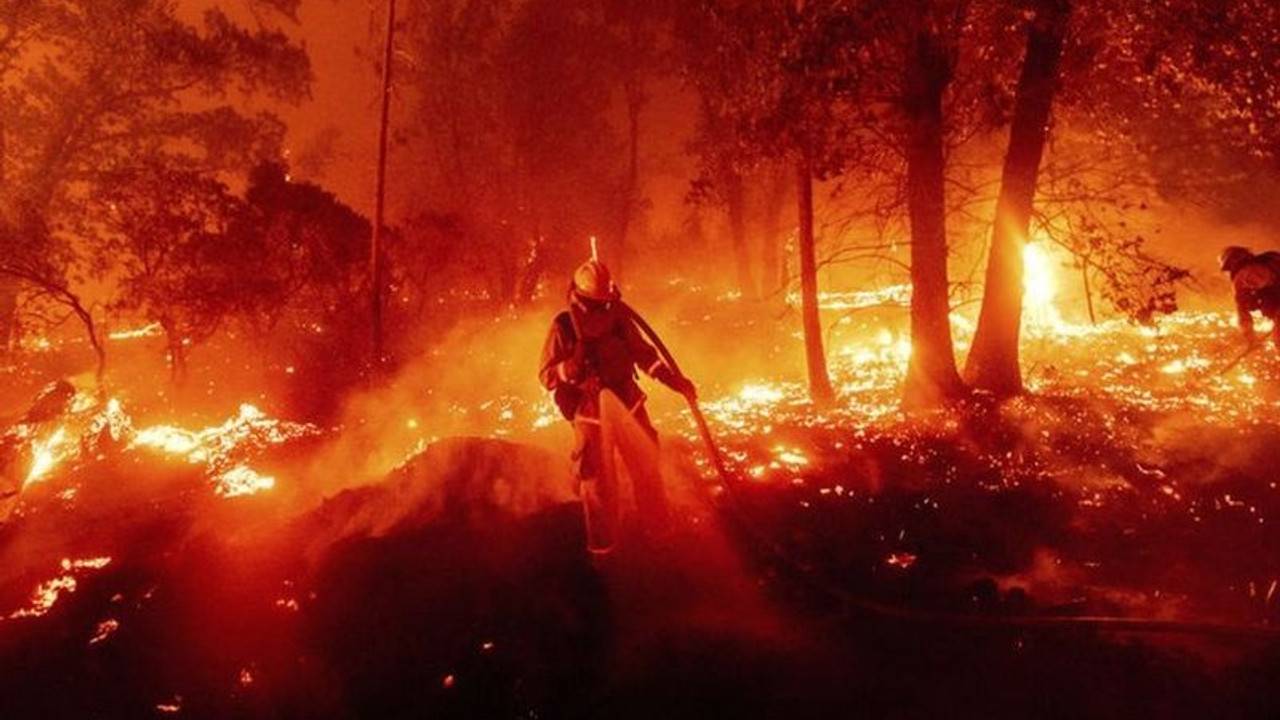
x,y
1232,258
593,281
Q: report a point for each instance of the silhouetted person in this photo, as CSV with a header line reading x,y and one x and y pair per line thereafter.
x,y
590,363
1256,280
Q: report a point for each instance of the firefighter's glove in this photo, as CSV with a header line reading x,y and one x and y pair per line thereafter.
x,y
572,369
679,383
684,386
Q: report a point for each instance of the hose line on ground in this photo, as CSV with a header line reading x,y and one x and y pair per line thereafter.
x,y
844,597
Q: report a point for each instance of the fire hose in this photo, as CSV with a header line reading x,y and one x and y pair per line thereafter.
x,y
1253,347
850,600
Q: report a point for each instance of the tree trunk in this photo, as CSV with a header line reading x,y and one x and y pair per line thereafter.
x,y
90,329
735,198
820,390
8,314
993,361
8,285
532,274
1088,291
932,378
376,257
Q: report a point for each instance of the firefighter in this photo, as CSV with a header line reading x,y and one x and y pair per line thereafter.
x,y
589,363
1256,281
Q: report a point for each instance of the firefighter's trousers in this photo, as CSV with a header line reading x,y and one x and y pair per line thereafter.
x,y
621,442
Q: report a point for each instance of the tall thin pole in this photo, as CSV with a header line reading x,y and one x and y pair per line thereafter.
x,y
375,248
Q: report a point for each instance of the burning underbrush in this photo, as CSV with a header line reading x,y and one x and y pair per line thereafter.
x,y
425,552
1136,480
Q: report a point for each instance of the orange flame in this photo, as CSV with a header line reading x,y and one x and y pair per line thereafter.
x,y
47,454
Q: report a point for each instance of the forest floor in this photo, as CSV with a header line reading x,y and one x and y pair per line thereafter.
x,y
1107,546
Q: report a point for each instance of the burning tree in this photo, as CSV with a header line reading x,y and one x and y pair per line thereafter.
x,y
990,365
1135,59
94,88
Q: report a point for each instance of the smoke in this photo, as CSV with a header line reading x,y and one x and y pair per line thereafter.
x,y
480,380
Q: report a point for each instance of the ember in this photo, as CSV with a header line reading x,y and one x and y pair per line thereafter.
x,y
47,594
596,359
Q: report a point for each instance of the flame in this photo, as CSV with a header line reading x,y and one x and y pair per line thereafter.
x,y
1039,288
220,447
146,331
887,296
223,449
172,440
242,480
760,394
104,630
46,454
902,560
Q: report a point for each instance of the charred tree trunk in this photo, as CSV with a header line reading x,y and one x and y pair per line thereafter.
x,y
820,390
932,378
376,257
993,361
1088,290
8,314
506,277
533,271
735,198
91,329
8,285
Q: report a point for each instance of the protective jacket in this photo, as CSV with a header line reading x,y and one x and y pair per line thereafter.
x,y
590,348
1257,286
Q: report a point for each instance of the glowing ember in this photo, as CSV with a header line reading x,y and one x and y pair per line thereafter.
x,y
47,593
888,296
104,630
241,480
902,560
175,441
46,596
791,457
546,414
112,421
221,447
760,394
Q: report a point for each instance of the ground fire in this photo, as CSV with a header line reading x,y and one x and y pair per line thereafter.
x,y
580,358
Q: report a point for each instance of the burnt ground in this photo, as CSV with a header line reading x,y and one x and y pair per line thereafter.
x,y
457,587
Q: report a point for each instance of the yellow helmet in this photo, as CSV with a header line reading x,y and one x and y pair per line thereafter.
x,y
593,281
1232,258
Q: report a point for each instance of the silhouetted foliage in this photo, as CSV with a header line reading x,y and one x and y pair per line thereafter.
x,y
104,87
167,238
